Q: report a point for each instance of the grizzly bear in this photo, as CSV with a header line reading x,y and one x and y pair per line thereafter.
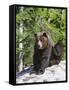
x,y
45,54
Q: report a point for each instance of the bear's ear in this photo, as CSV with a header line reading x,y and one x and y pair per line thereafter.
x,y
44,34
35,35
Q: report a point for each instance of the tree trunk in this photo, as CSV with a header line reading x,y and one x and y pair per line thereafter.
x,y
21,45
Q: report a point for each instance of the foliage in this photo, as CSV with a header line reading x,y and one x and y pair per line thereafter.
x,y
33,19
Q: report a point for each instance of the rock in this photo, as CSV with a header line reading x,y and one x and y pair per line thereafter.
x,y
53,73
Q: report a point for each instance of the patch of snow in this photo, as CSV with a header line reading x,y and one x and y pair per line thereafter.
x,y
53,73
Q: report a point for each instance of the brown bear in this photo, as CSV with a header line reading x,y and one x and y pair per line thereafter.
x,y
45,52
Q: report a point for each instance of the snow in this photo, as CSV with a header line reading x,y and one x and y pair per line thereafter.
x,y
53,73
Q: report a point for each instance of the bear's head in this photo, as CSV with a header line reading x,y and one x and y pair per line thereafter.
x,y
41,40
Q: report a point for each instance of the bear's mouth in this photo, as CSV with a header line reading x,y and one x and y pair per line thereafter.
x,y
40,48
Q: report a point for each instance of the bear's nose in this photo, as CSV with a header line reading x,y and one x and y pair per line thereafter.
x,y
38,46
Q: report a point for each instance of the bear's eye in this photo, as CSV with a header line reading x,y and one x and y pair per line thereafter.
x,y
41,40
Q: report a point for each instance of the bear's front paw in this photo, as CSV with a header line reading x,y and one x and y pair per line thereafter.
x,y
40,72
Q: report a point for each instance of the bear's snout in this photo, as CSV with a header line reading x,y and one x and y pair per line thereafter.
x,y
40,44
